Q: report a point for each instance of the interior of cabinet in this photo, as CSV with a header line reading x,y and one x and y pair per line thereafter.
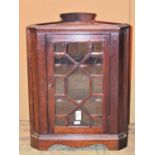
x,y
78,72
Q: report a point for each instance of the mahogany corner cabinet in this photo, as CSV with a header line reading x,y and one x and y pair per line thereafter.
x,y
78,79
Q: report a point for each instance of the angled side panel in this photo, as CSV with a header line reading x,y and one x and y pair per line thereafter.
x,y
124,81
32,80
50,84
114,83
42,93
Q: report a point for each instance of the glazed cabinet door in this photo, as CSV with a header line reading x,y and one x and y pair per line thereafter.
x,y
78,83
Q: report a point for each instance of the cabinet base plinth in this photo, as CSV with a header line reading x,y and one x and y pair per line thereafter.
x,y
112,142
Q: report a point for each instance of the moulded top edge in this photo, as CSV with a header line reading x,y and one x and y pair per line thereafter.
x,y
78,26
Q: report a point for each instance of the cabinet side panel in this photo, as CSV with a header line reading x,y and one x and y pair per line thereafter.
x,y
114,83
50,84
42,83
32,80
124,80
106,84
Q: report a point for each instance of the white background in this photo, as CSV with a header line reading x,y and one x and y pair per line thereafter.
x,y
145,77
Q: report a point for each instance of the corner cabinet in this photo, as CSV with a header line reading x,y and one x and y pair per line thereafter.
x,y
78,79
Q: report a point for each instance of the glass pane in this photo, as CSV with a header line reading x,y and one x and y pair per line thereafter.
x,y
60,121
63,106
78,85
59,82
93,60
59,47
77,50
62,60
97,121
94,105
62,64
97,46
94,69
62,69
97,85
93,65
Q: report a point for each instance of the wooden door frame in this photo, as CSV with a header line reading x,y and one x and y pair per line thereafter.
x,y
50,38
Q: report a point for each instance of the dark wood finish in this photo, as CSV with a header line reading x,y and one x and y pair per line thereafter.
x,y
30,38
77,130
113,142
42,84
50,84
114,83
115,54
106,84
50,52
70,17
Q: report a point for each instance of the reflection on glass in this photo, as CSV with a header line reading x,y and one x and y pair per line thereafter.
x,y
62,64
62,69
94,69
63,106
77,50
78,85
97,46
94,105
62,60
59,82
60,121
59,47
97,121
93,60
97,85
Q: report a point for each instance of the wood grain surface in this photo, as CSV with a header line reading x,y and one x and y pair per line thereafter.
x,y
43,88
26,149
